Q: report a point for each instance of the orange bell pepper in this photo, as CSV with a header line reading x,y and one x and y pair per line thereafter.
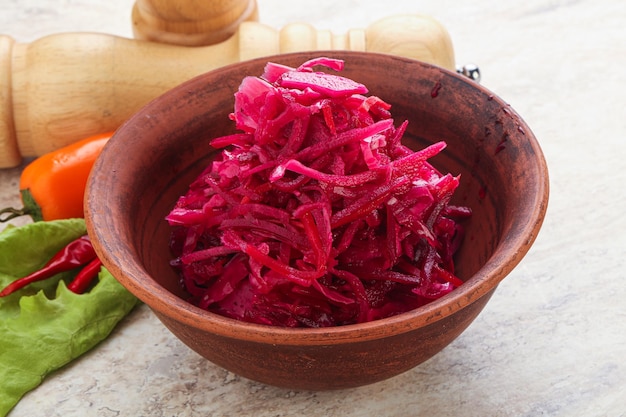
x,y
53,185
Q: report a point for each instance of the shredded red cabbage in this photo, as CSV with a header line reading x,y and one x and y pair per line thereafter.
x,y
316,214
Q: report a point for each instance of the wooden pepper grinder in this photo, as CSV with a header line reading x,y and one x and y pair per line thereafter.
x,y
190,22
64,87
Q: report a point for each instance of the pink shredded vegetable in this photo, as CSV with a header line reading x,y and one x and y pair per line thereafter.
x,y
315,214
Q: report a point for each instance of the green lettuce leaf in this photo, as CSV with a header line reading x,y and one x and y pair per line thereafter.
x,y
45,326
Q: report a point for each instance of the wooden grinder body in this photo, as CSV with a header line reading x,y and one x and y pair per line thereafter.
x,y
64,87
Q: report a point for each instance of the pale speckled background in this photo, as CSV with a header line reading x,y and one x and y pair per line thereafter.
x,y
551,342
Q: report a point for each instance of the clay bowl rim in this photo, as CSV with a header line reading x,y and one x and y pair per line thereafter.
x,y
506,255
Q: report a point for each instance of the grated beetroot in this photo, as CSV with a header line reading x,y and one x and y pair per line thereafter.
x,y
315,214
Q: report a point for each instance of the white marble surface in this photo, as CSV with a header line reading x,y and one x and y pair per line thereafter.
x,y
551,342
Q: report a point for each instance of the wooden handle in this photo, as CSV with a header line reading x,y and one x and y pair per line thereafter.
x,y
190,22
65,87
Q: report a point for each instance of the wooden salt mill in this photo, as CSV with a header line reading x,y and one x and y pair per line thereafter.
x,y
64,87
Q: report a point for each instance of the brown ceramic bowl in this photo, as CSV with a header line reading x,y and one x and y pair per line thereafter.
x,y
153,157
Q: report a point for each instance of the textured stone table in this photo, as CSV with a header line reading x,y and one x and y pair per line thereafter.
x,y
551,342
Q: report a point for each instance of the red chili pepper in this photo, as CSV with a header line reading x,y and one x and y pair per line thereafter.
x,y
85,277
78,252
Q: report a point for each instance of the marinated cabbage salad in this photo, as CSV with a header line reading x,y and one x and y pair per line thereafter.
x,y
315,214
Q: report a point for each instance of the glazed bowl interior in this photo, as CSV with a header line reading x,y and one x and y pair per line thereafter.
x,y
153,158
